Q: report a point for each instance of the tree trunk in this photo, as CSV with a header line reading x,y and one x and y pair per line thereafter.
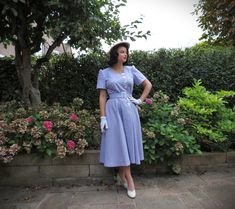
x,y
18,62
29,78
26,76
30,94
35,92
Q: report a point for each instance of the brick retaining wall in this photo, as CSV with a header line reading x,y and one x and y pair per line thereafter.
x,y
24,170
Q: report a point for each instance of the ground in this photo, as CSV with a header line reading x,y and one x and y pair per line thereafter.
x,y
204,190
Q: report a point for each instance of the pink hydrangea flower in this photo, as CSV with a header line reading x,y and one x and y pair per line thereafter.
x,y
29,119
71,144
73,117
48,125
149,101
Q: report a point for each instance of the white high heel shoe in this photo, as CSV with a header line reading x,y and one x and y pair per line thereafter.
x,y
131,194
121,182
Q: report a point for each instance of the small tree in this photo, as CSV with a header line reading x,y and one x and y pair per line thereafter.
x,y
84,24
217,20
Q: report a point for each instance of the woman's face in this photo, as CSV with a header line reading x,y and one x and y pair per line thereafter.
x,y
122,54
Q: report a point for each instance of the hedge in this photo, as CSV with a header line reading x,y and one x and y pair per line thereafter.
x,y
169,70
10,86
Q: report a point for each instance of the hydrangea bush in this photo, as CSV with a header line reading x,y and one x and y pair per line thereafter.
x,y
52,130
165,136
198,121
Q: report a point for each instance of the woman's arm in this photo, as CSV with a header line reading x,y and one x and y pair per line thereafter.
x,y
102,101
147,88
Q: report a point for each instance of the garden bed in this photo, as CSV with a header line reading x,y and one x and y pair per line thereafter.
x,y
24,170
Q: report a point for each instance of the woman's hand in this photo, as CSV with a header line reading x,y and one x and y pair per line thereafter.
x,y
136,101
103,124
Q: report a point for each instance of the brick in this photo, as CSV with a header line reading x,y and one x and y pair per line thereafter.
x,y
231,157
88,157
57,171
150,169
22,175
204,159
26,181
100,170
28,159
19,171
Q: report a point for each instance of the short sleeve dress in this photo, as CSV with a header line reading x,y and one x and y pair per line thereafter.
x,y
121,143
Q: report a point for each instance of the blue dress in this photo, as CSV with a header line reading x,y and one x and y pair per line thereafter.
x,y
121,143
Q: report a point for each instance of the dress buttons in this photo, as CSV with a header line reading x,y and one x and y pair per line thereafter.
x,y
125,81
128,102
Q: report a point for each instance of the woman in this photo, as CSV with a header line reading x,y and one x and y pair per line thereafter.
x,y
121,143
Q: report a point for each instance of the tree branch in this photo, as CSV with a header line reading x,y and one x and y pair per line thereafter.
x,y
38,34
46,57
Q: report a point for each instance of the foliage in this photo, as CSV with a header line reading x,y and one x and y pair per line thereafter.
x,y
211,121
65,77
82,24
198,121
169,70
53,130
10,86
165,136
216,18
173,69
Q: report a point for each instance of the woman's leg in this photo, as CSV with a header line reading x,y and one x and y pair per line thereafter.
x,y
128,177
122,174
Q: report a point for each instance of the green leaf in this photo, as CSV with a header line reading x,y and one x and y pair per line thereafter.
x,y
133,39
49,152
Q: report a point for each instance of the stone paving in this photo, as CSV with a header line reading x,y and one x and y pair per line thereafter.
x,y
205,190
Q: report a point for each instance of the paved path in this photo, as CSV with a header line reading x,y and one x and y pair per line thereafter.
x,y
208,190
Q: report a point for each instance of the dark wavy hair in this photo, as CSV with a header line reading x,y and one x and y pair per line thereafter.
x,y
113,54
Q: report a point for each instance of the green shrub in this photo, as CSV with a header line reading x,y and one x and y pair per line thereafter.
x,y
170,70
65,78
10,86
212,122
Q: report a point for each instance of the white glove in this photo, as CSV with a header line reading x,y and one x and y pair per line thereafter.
x,y
135,101
103,124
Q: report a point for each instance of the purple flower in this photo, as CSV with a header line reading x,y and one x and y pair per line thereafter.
x,y
73,117
71,144
149,101
48,125
29,119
